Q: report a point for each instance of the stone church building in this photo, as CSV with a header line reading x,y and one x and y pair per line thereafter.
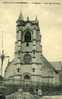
x,y
29,64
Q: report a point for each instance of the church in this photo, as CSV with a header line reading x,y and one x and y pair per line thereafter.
x,y
29,66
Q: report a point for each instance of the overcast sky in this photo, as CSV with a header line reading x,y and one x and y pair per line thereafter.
x,y
50,23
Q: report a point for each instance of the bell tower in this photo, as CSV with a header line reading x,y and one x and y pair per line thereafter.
x,y
29,70
28,40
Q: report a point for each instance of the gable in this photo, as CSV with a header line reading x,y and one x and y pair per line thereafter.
x,y
57,65
47,69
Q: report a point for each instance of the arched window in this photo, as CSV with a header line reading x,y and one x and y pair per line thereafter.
x,y
27,37
27,58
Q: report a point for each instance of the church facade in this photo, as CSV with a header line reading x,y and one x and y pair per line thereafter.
x,y
29,65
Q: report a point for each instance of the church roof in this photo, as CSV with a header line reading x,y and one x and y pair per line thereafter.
x,y
48,64
57,65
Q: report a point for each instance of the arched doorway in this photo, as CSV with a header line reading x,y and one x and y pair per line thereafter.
x,y
26,77
27,81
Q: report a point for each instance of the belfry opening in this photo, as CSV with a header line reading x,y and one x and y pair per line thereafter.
x,y
27,36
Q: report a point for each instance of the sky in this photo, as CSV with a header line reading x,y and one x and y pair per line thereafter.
x,y
50,23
